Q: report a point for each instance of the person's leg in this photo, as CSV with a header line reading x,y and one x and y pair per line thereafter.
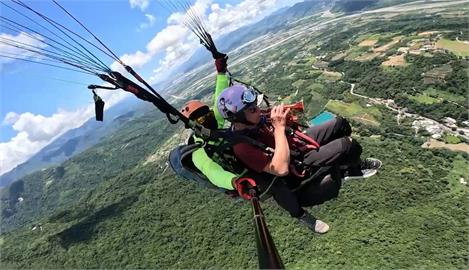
x,y
330,130
281,194
317,192
288,200
342,151
338,148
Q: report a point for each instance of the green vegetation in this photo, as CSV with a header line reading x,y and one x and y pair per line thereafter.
x,y
372,36
345,109
356,52
143,219
331,76
439,94
118,205
459,170
457,47
397,83
355,111
451,139
424,99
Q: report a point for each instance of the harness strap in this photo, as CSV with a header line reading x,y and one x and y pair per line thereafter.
x,y
312,144
191,148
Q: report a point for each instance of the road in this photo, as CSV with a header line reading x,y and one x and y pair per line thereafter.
x,y
401,111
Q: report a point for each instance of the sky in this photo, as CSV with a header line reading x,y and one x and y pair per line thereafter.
x,y
38,103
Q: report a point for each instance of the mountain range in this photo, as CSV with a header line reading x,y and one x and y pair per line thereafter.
x,y
76,140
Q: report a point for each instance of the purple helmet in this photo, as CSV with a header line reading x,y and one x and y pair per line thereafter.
x,y
234,99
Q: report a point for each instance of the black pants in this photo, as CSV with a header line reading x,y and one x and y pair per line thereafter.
x,y
313,193
336,150
281,192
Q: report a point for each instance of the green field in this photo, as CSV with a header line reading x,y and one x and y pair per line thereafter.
x,y
330,76
424,99
356,52
451,139
460,169
457,47
432,92
354,111
374,36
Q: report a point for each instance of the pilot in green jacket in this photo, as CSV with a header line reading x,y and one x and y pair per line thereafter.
x,y
202,114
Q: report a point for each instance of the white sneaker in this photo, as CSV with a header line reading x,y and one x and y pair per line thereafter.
x,y
316,225
364,173
368,168
321,227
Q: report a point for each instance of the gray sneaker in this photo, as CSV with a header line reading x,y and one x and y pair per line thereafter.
x,y
313,223
368,168
371,164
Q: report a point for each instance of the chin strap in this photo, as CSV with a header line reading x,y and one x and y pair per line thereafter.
x,y
239,117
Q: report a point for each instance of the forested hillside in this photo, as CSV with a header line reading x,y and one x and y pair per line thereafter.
x,y
118,205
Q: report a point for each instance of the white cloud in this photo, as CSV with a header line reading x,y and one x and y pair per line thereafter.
x,y
34,131
170,36
17,151
177,44
10,118
21,39
218,20
136,60
149,23
142,4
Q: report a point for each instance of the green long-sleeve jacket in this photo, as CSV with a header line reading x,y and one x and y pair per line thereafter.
x,y
214,172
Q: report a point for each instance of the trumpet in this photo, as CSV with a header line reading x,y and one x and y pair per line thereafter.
x,y
298,106
292,118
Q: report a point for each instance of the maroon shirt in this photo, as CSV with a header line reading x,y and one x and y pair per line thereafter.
x,y
252,156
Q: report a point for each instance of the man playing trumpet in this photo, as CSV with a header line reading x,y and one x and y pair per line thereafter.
x,y
312,174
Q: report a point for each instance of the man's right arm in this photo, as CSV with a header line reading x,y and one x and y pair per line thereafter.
x,y
281,158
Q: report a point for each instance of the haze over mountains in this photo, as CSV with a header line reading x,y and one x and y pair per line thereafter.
x,y
77,140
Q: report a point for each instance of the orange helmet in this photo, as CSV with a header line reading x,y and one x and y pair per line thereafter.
x,y
191,106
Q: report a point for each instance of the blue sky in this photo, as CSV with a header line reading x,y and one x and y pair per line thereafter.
x,y
39,103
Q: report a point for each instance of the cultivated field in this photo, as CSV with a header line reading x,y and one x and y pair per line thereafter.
x,y
354,111
461,147
385,47
424,99
367,43
457,47
395,60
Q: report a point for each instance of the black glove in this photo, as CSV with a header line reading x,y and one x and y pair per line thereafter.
x,y
220,64
98,106
244,187
216,54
